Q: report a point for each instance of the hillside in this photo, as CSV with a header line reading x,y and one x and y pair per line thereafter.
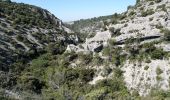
x,y
138,44
26,30
125,58
91,25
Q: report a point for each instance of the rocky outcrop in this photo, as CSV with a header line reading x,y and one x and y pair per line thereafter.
x,y
94,44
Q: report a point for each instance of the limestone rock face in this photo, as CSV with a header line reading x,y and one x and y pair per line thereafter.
x,y
94,44
137,25
144,21
137,75
144,26
99,39
143,79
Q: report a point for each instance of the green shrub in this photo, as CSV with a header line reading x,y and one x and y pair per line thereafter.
x,y
158,1
116,60
159,26
125,25
135,93
118,73
115,32
162,7
141,8
71,74
56,48
146,67
158,71
158,78
20,38
148,61
159,94
86,75
112,29
106,71
130,40
115,87
41,62
158,54
132,13
151,3
18,67
166,34
96,94
97,60
112,42
85,58
10,33
151,19
91,35
3,24
149,47
146,13
33,84
106,51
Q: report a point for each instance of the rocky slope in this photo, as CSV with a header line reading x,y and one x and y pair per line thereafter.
x,y
146,23
27,29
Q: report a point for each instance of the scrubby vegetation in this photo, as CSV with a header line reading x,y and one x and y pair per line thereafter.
x,y
166,34
51,76
52,73
146,13
96,23
133,50
26,31
20,14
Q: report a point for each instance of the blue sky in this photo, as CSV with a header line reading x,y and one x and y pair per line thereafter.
x,y
69,10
